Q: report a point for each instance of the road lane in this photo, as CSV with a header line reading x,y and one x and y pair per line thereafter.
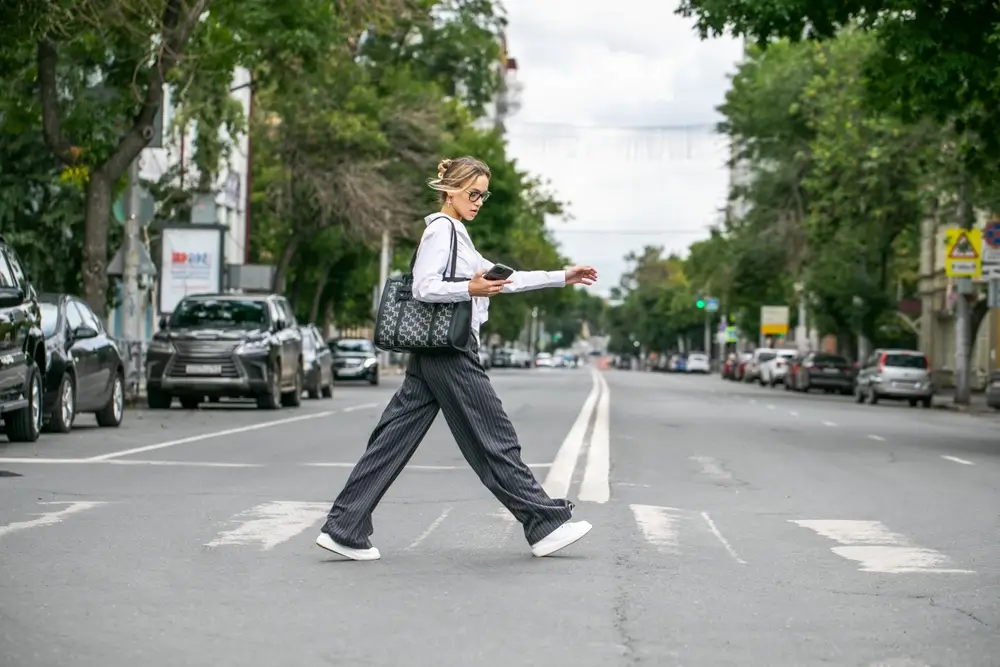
x,y
734,533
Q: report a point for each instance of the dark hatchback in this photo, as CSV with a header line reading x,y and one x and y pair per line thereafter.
x,y
84,368
354,359
226,345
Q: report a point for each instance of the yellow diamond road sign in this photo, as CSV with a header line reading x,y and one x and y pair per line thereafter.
x,y
963,250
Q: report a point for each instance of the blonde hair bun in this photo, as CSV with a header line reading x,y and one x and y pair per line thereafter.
x,y
443,166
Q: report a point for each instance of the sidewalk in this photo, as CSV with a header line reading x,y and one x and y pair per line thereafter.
x,y
944,399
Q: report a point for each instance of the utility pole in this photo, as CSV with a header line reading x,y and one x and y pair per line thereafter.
x,y
963,288
383,276
130,269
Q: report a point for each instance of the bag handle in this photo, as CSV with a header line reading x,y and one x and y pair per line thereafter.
x,y
453,247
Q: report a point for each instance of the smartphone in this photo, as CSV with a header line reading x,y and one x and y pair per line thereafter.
x,y
499,272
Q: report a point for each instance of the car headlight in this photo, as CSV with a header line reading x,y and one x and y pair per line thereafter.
x,y
252,347
369,362
161,346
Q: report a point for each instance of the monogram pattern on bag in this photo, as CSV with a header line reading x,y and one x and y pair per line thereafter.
x,y
414,320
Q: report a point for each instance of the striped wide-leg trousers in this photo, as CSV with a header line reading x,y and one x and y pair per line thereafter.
x,y
456,384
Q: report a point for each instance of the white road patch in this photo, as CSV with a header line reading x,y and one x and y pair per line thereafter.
x,y
955,459
878,549
50,518
363,406
431,528
828,424
596,486
770,406
658,525
712,468
876,437
560,475
794,413
715,531
270,524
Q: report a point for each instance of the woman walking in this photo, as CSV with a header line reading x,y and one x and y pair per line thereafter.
x,y
455,383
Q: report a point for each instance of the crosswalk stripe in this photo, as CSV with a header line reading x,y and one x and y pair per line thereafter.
x,y
270,524
560,475
658,525
50,518
878,549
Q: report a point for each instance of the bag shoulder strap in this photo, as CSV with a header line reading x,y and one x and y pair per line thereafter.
x,y
453,247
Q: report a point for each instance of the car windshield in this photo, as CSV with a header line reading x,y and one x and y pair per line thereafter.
x,y
220,313
830,360
906,361
766,356
354,345
50,318
697,357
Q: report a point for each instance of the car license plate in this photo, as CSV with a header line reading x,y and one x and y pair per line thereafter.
x,y
204,369
832,370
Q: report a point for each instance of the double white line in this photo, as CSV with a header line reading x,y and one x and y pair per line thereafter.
x,y
595,486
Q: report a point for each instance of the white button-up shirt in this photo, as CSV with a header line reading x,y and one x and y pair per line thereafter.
x,y
434,261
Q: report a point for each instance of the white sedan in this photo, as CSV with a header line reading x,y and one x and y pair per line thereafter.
x,y
698,363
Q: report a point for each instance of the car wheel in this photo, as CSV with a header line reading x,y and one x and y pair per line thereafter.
x,y
110,416
158,400
327,391
293,399
25,425
64,409
271,399
373,379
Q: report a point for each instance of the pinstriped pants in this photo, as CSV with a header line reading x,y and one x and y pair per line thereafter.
x,y
456,384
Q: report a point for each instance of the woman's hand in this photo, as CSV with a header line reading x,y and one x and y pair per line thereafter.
x,y
581,275
480,287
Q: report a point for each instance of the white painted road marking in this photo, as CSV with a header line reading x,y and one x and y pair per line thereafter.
x,y
794,413
222,434
877,437
430,529
596,486
878,549
560,475
50,518
770,406
658,525
715,531
957,460
828,424
270,524
410,466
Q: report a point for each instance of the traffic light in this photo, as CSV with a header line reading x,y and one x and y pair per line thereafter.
x,y
700,303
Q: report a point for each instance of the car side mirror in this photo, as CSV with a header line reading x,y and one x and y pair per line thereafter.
x,y
82,332
10,297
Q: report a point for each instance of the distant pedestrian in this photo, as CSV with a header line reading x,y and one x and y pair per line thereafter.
x,y
455,382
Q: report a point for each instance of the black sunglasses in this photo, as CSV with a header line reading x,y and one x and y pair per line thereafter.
x,y
476,195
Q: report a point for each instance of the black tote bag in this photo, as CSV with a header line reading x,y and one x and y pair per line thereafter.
x,y
404,324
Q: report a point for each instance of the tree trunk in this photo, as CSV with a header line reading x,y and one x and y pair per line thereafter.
x,y
281,270
95,241
317,299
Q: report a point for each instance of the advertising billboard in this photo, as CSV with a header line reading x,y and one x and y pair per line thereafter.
x,y
191,262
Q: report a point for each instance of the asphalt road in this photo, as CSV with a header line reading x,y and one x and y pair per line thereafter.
x,y
734,525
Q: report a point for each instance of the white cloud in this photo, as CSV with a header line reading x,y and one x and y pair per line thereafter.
x,y
622,64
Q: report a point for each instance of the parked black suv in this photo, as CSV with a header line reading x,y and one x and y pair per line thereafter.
x,y
22,351
233,345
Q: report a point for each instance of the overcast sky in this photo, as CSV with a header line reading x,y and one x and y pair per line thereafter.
x,y
607,66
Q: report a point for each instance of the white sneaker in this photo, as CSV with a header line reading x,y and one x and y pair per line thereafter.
x,y
327,543
561,537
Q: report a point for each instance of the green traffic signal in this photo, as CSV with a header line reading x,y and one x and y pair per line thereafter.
x,y
700,303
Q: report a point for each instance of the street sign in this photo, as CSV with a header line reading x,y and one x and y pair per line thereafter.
x,y
991,252
963,252
732,335
774,320
712,304
116,267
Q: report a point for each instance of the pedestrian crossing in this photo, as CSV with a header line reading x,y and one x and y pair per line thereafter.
x,y
663,532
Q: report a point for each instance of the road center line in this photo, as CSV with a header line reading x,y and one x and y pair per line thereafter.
x,y
715,531
957,460
596,487
226,432
560,475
